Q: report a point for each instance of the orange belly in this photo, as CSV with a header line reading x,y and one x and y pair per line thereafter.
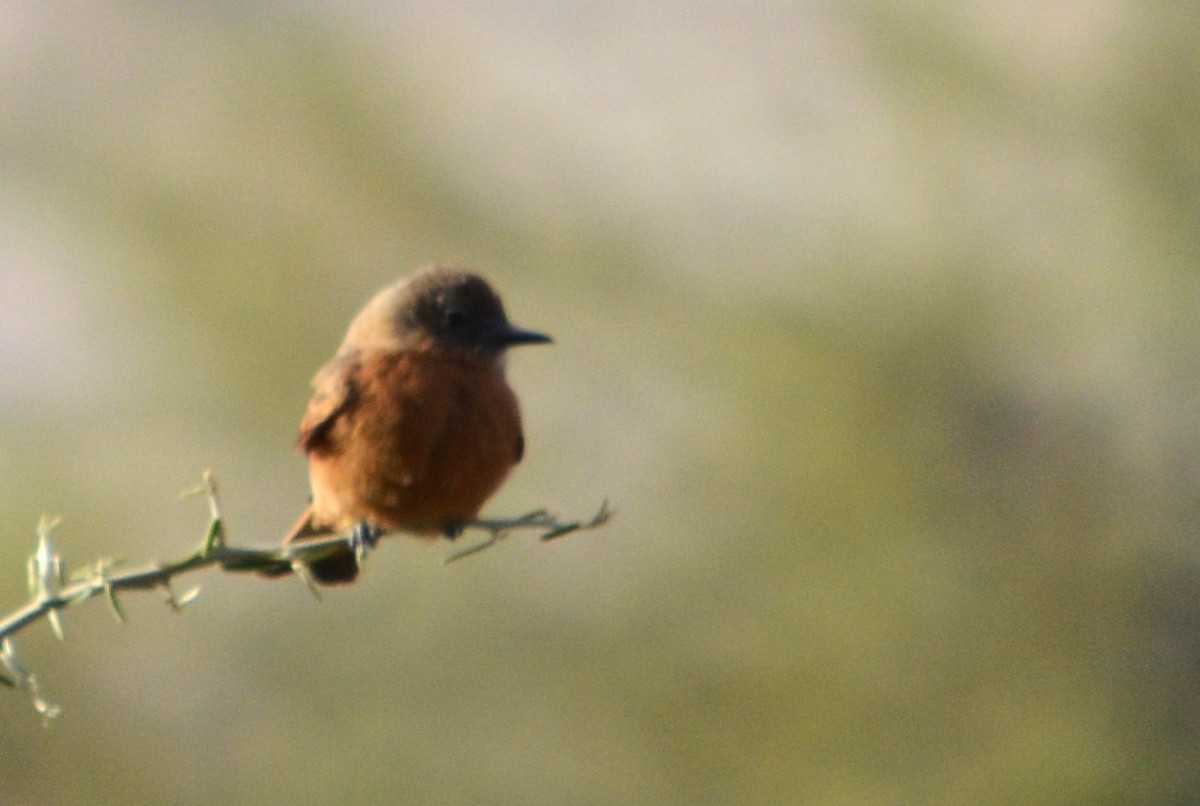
x,y
422,444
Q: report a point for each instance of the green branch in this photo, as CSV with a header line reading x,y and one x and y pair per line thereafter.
x,y
52,590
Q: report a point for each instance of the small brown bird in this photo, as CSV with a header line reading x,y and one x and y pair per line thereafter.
x,y
412,425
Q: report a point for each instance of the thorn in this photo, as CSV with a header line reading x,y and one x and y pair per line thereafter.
x,y
603,516
187,598
45,568
207,487
114,604
102,573
177,603
47,709
303,573
56,624
10,666
215,536
475,549
17,675
47,574
559,531
47,524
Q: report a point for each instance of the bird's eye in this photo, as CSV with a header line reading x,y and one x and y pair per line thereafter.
x,y
454,318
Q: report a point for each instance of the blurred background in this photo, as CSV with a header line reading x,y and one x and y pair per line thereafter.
x,y
876,323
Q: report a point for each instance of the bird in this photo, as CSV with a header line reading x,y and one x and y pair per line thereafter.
x,y
412,424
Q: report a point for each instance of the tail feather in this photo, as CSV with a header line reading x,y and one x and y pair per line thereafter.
x,y
338,568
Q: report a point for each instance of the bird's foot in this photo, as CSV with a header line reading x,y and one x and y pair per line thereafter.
x,y
363,538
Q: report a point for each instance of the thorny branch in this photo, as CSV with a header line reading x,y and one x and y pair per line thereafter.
x,y
52,589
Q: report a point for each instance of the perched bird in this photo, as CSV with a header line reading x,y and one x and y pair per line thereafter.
x,y
412,425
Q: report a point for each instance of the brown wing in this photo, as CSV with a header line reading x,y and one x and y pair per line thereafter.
x,y
335,391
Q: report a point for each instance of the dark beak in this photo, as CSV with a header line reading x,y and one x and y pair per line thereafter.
x,y
512,336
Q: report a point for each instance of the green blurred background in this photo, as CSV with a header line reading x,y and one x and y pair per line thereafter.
x,y
877,323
